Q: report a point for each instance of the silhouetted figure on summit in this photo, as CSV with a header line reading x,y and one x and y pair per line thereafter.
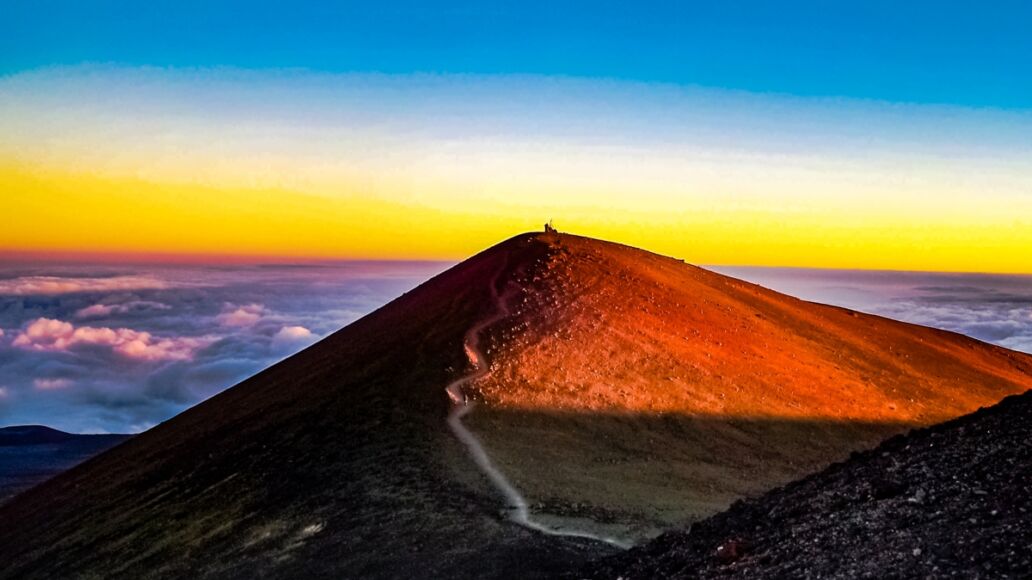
x,y
549,229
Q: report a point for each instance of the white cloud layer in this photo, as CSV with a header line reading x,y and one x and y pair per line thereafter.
x,y
52,384
53,285
103,310
134,357
242,316
993,308
47,334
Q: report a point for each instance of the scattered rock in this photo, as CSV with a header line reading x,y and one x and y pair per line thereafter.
x,y
849,521
730,551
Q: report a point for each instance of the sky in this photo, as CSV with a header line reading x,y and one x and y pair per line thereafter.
x,y
856,135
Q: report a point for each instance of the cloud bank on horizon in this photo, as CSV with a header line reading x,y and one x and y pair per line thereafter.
x,y
97,357
103,348
992,308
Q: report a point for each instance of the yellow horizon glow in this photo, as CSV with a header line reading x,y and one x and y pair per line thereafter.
x,y
312,166
70,212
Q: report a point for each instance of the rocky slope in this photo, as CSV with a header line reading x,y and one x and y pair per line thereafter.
x,y
627,392
950,501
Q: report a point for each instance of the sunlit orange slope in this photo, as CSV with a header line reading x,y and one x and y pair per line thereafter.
x,y
631,391
599,326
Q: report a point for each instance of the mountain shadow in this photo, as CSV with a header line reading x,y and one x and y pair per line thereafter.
x,y
950,501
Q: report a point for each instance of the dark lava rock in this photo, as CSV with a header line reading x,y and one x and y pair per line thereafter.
x,y
950,501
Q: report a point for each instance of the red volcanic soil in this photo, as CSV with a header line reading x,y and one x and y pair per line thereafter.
x,y
606,327
627,392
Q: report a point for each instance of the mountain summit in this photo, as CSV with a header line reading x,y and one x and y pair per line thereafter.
x,y
498,421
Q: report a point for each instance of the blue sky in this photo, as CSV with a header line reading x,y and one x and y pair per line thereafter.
x,y
958,53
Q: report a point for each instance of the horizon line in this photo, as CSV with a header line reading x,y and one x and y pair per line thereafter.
x,y
17,256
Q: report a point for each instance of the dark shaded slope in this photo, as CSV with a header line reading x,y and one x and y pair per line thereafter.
x,y
953,500
333,463
30,454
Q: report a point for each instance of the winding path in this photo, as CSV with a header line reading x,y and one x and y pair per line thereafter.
x,y
461,406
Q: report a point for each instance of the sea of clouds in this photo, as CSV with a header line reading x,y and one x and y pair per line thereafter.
x,y
101,348
989,307
106,348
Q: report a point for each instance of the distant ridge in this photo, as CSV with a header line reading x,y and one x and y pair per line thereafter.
x,y
626,392
31,435
38,434
30,454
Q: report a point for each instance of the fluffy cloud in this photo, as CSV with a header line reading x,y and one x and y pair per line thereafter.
x,y
56,335
291,336
290,333
104,310
95,311
51,384
242,316
45,334
50,285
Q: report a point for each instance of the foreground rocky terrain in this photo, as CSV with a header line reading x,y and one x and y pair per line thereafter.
x,y
949,501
